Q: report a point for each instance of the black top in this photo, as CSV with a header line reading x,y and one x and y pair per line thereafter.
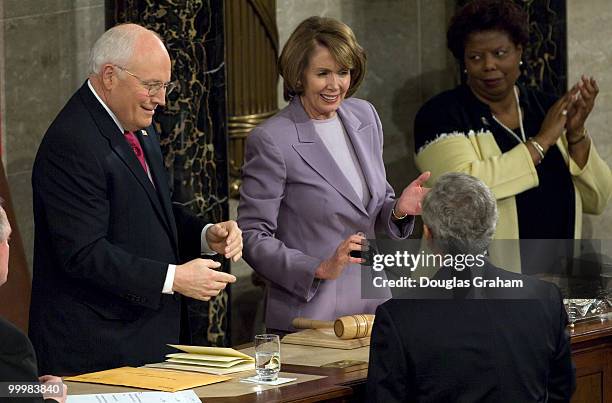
x,y
473,350
544,212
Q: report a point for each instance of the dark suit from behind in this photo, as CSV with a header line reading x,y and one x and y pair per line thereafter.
x,y
104,237
17,360
473,350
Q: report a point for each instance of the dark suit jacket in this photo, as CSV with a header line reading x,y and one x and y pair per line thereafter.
x,y
17,360
104,237
473,350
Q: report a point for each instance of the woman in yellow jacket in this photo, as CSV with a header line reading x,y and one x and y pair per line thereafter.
x,y
531,149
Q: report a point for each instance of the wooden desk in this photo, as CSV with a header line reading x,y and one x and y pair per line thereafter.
x,y
591,352
338,386
326,389
592,355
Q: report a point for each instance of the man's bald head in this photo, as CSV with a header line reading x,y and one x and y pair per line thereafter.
x,y
126,62
118,45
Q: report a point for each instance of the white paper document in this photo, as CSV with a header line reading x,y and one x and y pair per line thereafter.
x,y
184,396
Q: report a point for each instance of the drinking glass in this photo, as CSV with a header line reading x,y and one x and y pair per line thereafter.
x,y
267,356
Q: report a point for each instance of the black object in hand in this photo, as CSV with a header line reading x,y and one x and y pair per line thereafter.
x,y
367,255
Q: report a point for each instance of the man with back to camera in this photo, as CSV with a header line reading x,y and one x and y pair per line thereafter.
x,y
17,358
108,239
470,344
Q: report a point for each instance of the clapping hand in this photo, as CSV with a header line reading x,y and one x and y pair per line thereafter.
x,y
584,93
555,121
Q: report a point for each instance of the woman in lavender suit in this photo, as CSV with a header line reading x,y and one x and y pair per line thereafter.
x,y
314,186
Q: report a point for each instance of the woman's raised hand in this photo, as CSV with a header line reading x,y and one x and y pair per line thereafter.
x,y
411,200
554,121
584,93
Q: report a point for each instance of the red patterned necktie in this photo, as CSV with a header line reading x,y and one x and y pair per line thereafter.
x,y
135,144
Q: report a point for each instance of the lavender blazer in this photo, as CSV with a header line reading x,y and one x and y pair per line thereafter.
x,y
296,207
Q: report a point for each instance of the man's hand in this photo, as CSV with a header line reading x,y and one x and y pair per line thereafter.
x,y
45,379
198,279
225,238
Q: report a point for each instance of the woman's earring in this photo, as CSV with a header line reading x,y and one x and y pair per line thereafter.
x,y
521,63
465,71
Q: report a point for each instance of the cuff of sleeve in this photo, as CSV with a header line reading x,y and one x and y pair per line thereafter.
x,y
169,282
400,229
404,226
204,247
305,284
523,150
313,289
575,170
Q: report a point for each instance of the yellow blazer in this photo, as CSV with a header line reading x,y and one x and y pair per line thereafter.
x,y
453,134
514,172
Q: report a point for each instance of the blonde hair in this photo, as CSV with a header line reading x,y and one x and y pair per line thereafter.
x,y
336,36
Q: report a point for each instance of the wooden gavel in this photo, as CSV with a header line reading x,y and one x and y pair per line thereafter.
x,y
345,327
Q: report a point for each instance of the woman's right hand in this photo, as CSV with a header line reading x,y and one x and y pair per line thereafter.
x,y
554,121
330,269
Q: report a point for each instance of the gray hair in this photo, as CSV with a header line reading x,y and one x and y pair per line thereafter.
x,y
461,213
115,46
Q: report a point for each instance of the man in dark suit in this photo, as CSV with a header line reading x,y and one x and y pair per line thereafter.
x,y
17,358
471,343
108,239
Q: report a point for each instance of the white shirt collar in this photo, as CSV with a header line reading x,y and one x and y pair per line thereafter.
x,y
112,115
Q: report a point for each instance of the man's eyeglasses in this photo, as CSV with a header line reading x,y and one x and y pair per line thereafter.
x,y
152,86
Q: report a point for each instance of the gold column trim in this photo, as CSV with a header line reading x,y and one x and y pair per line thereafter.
x,y
255,118
252,77
264,11
238,128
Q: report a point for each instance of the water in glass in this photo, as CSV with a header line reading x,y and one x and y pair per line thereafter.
x,y
267,356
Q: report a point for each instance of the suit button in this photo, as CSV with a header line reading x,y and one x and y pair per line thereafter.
x,y
132,297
